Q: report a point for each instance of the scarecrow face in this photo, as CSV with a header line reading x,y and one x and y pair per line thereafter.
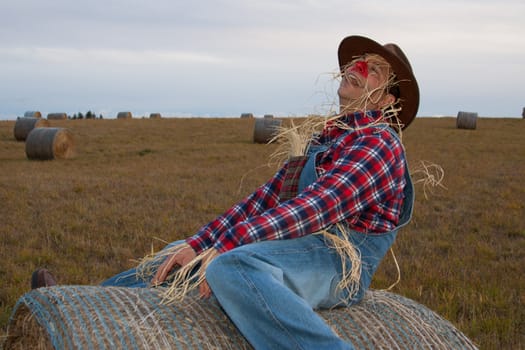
x,y
364,82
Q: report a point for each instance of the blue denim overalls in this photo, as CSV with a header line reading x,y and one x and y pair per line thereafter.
x,y
372,247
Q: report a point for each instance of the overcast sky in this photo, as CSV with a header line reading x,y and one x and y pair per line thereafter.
x,y
226,57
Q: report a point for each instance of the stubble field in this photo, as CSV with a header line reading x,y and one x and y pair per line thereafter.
x,y
136,184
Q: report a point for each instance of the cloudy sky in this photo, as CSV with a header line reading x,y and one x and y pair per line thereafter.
x,y
226,57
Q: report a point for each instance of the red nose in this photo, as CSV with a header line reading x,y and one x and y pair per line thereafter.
x,y
360,67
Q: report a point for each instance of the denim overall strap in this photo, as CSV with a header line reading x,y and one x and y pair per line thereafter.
x,y
309,173
407,207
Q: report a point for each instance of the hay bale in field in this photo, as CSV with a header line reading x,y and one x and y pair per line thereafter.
x,y
246,115
50,143
155,115
56,116
23,126
265,129
33,114
76,317
466,120
124,115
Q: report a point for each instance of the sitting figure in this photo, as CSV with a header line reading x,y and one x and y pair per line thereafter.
x,y
313,235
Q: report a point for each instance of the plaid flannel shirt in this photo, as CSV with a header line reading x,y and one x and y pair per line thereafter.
x,y
360,182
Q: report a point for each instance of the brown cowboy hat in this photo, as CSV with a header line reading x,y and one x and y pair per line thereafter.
x,y
355,46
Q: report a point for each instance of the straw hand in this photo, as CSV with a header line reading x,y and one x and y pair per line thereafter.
x,y
179,258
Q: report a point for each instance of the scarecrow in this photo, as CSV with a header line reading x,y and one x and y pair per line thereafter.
x,y
312,236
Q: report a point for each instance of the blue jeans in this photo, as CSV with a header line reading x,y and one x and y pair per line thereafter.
x,y
271,289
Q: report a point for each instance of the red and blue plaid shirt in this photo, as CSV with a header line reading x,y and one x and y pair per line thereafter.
x,y
360,182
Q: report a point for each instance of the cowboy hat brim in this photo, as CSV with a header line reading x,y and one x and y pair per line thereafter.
x,y
354,46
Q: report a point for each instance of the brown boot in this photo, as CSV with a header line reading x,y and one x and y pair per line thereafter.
x,y
42,278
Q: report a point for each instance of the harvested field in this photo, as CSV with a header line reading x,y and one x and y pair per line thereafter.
x,y
135,183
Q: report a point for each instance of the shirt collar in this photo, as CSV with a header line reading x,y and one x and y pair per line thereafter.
x,y
352,121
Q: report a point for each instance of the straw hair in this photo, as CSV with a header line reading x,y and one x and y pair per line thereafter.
x,y
50,143
23,126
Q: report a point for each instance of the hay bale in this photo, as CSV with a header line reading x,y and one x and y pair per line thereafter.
x,y
124,115
77,317
56,116
466,120
50,143
155,115
265,129
246,115
268,116
33,114
23,126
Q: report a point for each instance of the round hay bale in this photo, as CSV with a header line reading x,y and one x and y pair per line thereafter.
x,y
155,115
466,120
265,129
56,116
23,126
33,114
78,317
124,115
246,115
50,143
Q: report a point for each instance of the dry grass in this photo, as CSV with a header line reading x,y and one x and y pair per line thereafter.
x,y
135,181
